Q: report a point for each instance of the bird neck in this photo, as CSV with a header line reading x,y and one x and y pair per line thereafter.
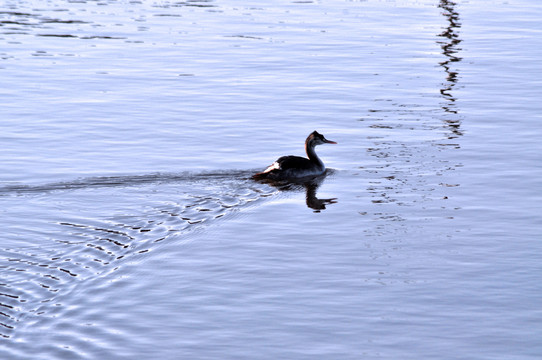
x,y
311,154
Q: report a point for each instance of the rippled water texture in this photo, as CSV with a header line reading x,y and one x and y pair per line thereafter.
x,y
131,227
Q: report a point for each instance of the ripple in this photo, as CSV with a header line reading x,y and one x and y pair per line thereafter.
x,y
85,247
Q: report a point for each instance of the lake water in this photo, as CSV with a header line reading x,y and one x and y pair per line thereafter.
x,y
131,228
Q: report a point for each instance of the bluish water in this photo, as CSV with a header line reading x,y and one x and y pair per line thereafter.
x,y
131,228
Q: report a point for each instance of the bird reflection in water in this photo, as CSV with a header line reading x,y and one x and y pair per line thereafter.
x,y
310,185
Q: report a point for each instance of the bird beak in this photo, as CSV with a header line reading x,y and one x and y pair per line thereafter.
x,y
329,141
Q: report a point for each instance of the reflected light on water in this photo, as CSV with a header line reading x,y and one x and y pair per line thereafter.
x,y
450,48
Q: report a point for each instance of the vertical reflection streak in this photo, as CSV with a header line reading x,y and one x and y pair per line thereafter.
x,y
450,48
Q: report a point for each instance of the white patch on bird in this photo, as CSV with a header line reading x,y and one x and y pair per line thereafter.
x,y
273,166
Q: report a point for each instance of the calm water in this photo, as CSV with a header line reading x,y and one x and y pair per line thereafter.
x,y
130,227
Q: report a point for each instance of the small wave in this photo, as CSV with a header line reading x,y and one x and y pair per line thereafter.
x,y
83,244
123,181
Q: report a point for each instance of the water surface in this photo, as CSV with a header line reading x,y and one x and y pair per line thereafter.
x,y
132,229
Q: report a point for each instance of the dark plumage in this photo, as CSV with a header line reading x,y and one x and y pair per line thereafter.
x,y
295,167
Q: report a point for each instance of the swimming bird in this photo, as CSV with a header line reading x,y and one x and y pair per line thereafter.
x,y
295,167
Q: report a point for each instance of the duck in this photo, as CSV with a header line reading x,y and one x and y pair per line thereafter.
x,y
296,167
